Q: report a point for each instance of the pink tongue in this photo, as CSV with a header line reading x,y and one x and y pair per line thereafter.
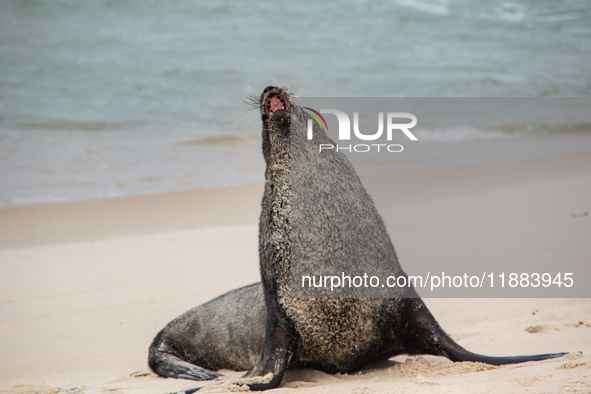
x,y
275,104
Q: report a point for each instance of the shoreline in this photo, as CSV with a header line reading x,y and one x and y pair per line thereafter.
x,y
243,165
80,221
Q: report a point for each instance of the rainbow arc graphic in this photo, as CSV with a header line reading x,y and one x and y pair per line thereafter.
x,y
315,115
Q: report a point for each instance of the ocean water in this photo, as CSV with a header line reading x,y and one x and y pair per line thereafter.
x,y
112,98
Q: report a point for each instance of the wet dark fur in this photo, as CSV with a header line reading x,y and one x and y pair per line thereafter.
x,y
239,331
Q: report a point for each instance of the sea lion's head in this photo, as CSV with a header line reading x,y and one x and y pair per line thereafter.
x,y
277,108
284,126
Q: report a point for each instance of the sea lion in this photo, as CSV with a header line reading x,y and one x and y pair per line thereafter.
x,y
314,209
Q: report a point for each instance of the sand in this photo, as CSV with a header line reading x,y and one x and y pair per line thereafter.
x,y
84,287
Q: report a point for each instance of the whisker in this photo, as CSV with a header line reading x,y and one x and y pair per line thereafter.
x,y
250,114
250,122
252,100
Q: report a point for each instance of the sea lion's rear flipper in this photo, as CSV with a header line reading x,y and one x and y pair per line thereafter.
x,y
429,338
170,366
277,352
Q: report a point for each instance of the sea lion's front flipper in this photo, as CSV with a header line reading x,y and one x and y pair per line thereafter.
x,y
256,383
189,391
277,352
425,336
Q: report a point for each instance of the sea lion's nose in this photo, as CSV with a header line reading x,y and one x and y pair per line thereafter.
x,y
268,88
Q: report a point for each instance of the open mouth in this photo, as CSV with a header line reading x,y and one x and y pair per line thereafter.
x,y
274,104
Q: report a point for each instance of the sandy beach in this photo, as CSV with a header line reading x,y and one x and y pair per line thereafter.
x,y
85,286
